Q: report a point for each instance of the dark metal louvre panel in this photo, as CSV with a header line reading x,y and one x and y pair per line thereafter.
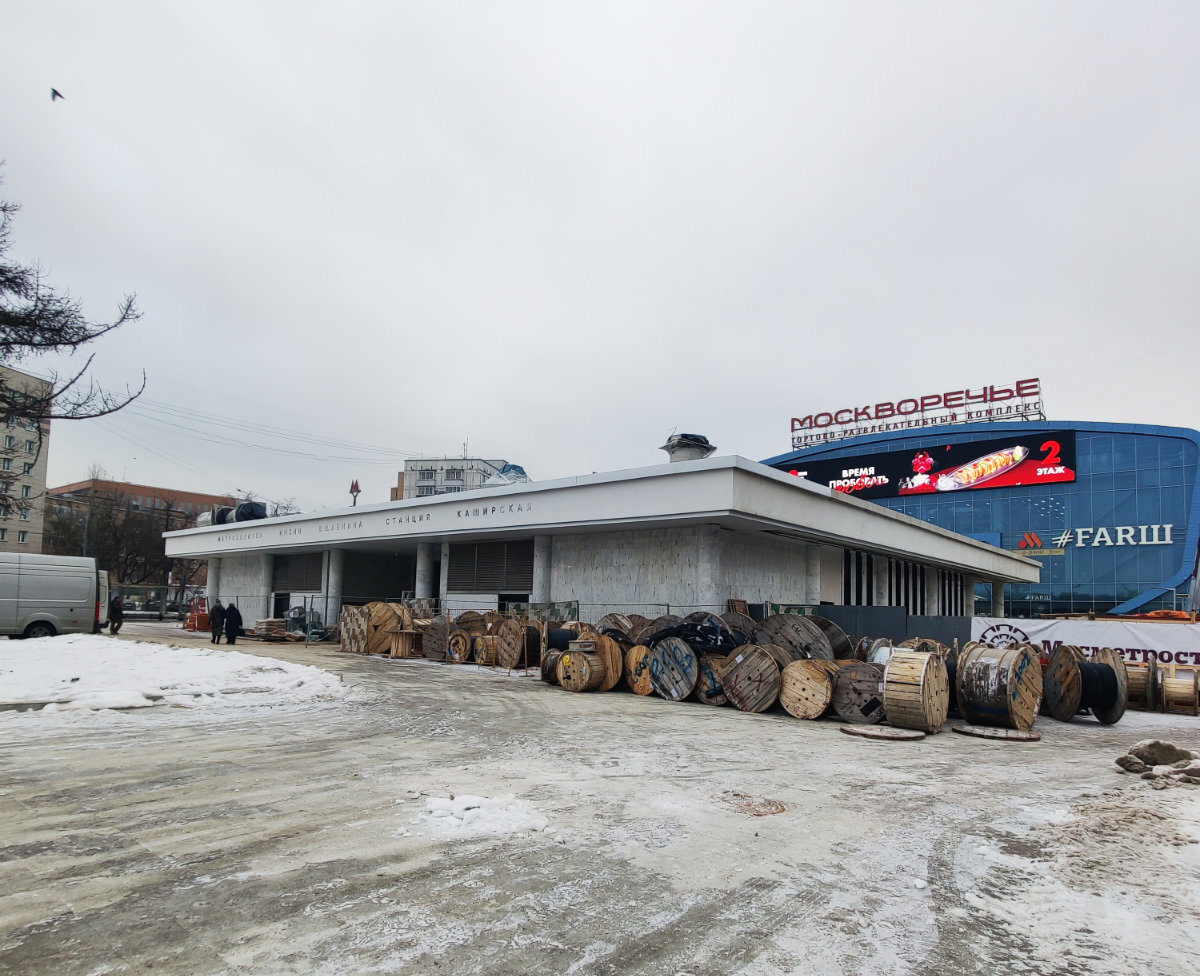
x,y
491,567
518,567
298,572
461,578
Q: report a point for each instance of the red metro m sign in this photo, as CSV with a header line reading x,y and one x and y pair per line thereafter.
x,y
1020,401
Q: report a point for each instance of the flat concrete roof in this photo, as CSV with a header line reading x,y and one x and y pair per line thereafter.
x,y
733,492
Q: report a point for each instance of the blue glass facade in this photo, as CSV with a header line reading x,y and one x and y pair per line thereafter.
x,y
1121,537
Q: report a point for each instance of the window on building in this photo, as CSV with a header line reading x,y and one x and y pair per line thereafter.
x,y
22,536
10,441
452,489
27,468
26,491
6,464
3,535
24,515
423,490
454,474
31,447
426,474
6,487
31,423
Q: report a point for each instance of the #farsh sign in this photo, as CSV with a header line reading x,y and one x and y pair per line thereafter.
x,y
1021,400
1034,459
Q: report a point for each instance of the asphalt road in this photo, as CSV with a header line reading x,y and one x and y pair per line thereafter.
x,y
299,840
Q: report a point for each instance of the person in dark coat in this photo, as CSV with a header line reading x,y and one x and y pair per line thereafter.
x,y
116,614
233,623
216,621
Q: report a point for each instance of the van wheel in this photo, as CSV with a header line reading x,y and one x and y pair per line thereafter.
x,y
39,629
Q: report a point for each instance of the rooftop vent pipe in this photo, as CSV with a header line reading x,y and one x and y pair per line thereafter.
x,y
687,447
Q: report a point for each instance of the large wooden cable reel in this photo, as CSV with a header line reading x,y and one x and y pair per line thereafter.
x,y
1065,692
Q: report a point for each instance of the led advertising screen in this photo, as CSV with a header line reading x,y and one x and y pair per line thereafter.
x,y
1039,458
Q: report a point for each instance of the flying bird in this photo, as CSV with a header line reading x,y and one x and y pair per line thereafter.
x,y
55,94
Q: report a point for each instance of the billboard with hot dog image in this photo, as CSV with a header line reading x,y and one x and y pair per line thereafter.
x,y
1034,459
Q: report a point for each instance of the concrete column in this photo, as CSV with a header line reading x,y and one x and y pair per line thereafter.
x,y
444,583
543,569
708,569
933,593
335,561
266,568
812,575
214,581
880,582
424,582
997,598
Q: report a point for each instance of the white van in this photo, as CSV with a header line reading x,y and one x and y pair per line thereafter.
x,y
41,596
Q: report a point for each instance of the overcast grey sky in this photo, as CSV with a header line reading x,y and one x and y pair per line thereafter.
x,y
560,231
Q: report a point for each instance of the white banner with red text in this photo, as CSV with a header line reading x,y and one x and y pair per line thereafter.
x,y
1137,641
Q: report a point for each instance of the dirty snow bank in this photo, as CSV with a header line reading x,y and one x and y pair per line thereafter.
x,y
92,672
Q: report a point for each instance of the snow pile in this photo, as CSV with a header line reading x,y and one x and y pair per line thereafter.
x,y
91,672
478,816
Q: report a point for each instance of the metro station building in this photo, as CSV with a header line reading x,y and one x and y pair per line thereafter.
x,y
1111,511
676,538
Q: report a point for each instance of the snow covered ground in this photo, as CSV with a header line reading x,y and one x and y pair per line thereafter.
x,y
94,672
208,811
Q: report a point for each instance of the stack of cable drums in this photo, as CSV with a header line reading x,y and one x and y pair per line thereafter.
x,y
999,686
916,691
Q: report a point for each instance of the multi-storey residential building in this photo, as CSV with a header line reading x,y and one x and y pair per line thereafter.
x,y
443,476
23,453
139,498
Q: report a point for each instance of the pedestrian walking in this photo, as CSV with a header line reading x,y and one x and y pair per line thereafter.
x,y
216,621
233,623
116,614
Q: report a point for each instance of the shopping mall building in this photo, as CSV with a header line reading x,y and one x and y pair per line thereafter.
x,y
1111,511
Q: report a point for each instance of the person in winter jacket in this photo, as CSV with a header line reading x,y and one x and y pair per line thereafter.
x,y
233,623
216,621
116,614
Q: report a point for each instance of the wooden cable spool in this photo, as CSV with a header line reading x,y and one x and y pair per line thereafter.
x,y
916,691
654,626
999,686
549,666
673,669
581,671
739,622
435,638
472,622
881,652
485,648
614,660
751,679
858,693
637,670
614,621
862,648
636,621
795,634
518,644
1070,683
839,643
459,646
781,655
1143,687
1179,691
710,689
806,688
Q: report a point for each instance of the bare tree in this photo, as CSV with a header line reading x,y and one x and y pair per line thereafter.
x,y
35,318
